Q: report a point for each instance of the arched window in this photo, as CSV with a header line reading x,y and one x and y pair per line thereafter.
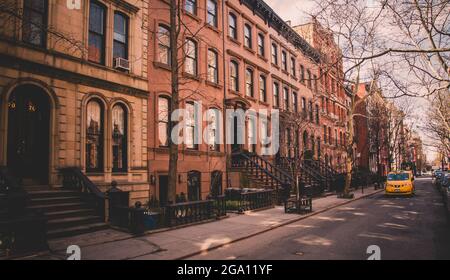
x,y
190,65
94,136
248,36
305,140
318,147
249,82
274,54
232,26
163,37
213,69
313,145
234,76
194,186
119,138
261,47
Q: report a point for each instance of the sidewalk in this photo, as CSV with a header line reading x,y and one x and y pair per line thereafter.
x,y
185,242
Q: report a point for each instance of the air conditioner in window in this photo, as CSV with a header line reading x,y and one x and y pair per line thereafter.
x,y
121,63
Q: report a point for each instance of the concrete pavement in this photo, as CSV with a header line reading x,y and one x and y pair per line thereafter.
x,y
189,241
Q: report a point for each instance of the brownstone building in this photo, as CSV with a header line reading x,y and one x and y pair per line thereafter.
x,y
74,93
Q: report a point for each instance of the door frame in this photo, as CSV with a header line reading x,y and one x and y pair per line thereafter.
x,y
52,137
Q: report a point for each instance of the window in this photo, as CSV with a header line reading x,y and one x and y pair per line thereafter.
x,y
194,187
251,135
213,129
191,135
191,57
248,36
295,101
216,183
274,54
97,16
211,17
234,76
163,38
163,121
325,134
293,68
261,48
286,98
284,60
34,22
120,43
119,138
330,136
190,6
262,89
309,78
304,108
336,137
276,95
305,140
302,74
315,83
311,111
318,147
249,82
94,136
213,70
232,26
317,114
297,143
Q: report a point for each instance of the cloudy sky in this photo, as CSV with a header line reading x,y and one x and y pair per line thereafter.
x,y
294,10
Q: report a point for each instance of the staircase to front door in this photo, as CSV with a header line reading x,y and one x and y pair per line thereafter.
x,y
67,212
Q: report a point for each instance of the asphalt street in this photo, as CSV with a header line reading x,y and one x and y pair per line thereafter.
x,y
402,227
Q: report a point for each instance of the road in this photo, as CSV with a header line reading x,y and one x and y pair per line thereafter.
x,y
403,228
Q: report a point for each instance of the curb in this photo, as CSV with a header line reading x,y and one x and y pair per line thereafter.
x,y
277,226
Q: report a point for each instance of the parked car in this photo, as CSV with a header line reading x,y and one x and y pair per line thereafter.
x,y
444,184
436,177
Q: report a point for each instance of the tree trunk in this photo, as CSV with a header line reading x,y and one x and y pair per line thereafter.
x,y
349,161
173,147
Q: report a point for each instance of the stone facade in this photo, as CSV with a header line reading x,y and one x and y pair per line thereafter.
x,y
55,61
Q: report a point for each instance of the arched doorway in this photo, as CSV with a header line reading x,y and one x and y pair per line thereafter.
x,y
28,134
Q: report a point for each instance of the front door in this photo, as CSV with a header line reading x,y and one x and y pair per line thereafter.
x,y
28,134
163,190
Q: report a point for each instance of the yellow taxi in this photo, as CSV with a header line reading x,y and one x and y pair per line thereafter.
x,y
400,183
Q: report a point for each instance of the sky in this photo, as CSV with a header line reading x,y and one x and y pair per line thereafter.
x,y
297,12
294,10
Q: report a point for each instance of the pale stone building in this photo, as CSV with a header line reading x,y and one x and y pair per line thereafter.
x,y
74,91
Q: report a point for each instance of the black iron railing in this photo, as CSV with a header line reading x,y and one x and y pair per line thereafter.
x,y
237,200
75,179
188,212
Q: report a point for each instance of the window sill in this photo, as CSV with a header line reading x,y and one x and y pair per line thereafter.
x,y
262,58
235,41
192,16
192,152
285,72
162,66
276,66
212,84
294,77
251,98
249,50
161,150
264,103
234,92
213,28
216,154
190,76
119,173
